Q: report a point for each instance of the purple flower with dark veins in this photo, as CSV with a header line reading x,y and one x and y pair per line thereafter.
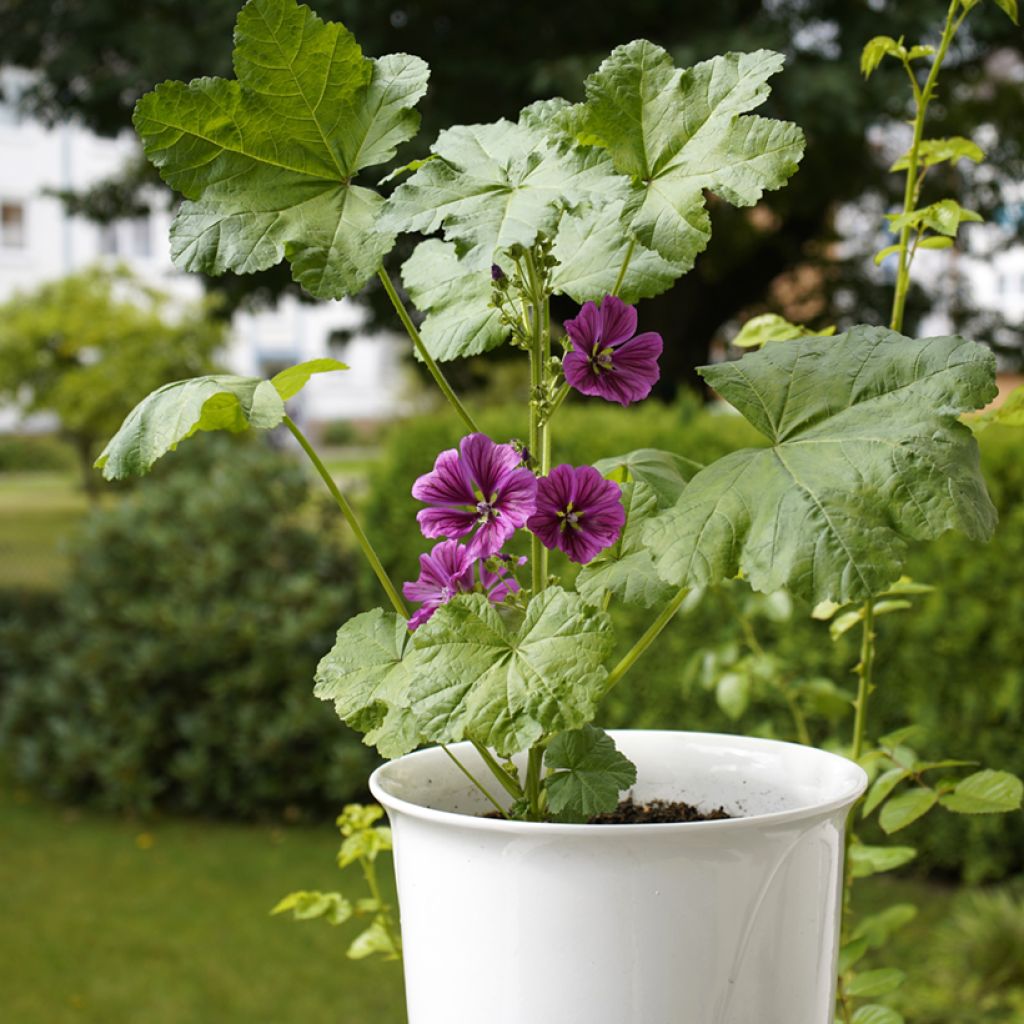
x,y
606,359
578,512
448,570
480,487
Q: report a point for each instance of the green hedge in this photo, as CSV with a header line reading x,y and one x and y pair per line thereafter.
x,y
954,664
175,669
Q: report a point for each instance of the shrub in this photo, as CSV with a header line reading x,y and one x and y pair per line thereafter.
x,y
26,453
174,671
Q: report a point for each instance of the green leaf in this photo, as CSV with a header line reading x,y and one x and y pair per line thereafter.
x,y
986,792
733,694
882,787
665,473
906,808
456,297
876,929
267,160
366,676
874,1013
305,906
898,737
290,382
867,455
677,133
374,940
626,569
880,982
850,954
945,217
499,185
768,327
873,860
883,254
364,845
358,817
588,773
824,698
1009,413
1009,8
475,678
936,151
876,50
176,411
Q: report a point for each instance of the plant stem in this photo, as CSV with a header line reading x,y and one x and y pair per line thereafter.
x,y
540,445
476,782
625,266
922,97
510,785
646,640
534,764
865,685
370,874
435,370
346,510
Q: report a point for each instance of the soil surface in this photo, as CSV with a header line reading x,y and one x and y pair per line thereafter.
x,y
657,812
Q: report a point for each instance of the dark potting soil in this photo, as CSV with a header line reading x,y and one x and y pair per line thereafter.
x,y
656,812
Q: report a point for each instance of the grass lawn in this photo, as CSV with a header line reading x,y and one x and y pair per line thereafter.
x,y
108,921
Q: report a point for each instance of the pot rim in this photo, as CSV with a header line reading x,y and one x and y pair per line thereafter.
x,y
852,788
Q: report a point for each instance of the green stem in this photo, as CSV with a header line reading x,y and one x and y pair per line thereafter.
x,y
625,267
534,764
370,874
476,782
646,640
540,445
510,785
346,510
435,370
865,684
922,97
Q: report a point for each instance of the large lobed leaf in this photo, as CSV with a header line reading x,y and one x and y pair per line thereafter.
x,y
266,160
586,774
867,454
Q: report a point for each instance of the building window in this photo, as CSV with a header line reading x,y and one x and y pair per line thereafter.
x,y
142,237
12,225
108,240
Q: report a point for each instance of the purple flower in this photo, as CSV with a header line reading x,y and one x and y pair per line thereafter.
x,y
479,487
578,512
448,570
606,359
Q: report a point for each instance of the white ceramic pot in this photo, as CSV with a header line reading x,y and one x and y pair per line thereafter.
x,y
719,922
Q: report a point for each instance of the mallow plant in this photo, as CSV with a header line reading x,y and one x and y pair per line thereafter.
x,y
498,639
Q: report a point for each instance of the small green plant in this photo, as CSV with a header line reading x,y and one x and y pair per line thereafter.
x,y
363,840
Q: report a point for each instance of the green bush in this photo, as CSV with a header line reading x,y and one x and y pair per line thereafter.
x,y
24,453
175,669
953,664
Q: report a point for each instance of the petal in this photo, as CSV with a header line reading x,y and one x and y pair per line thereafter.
x,y
491,537
447,484
592,490
423,613
445,522
618,321
580,547
517,496
578,371
585,328
545,527
556,490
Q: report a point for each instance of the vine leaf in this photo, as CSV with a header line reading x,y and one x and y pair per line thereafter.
x,y
867,454
174,412
986,792
475,678
677,132
267,160
587,773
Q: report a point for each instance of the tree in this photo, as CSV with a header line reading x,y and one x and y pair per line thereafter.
x,y
89,347
489,61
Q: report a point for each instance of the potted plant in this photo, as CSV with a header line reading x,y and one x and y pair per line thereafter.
x,y
518,900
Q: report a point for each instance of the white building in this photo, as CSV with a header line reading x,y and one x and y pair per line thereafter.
x,y
39,242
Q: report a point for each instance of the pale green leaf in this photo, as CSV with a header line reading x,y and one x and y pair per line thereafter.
x,y
986,792
665,473
499,185
876,50
873,860
176,411
851,953
945,217
917,52
882,787
306,906
732,694
1009,8
291,381
898,737
456,297
874,1013
768,327
937,151
366,677
475,678
883,254
587,773
376,939
877,928
267,160
871,984
906,808
358,817
364,845
867,455
677,133
626,569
